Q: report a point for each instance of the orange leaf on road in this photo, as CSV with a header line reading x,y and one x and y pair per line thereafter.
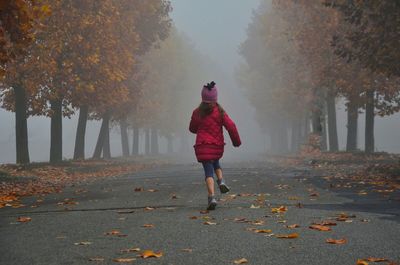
x,y
151,254
320,227
289,236
280,209
240,261
24,219
336,241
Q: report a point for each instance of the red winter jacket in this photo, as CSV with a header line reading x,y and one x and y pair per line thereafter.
x,y
210,138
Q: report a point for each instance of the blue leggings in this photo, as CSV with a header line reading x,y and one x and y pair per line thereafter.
x,y
210,167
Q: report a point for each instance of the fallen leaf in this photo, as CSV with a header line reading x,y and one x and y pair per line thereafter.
x,y
124,260
174,196
326,223
336,241
130,250
204,211
314,194
149,208
362,262
240,261
139,189
289,236
187,250
262,231
113,233
24,219
258,222
280,209
96,259
293,226
254,206
68,201
193,217
241,220
320,227
150,254
83,243
209,223
152,190
148,225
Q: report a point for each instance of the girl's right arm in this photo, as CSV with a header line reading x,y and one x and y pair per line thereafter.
x,y
232,130
194,122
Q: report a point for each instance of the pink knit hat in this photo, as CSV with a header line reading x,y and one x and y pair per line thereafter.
x,y
209,93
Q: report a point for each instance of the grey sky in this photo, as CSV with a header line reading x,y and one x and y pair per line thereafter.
x,y
216,27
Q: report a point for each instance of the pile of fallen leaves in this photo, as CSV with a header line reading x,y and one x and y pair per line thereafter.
x,y
377,173
40,179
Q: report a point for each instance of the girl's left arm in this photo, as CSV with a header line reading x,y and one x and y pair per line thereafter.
x,y
194,122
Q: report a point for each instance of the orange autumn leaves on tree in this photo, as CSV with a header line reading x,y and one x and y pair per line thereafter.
x,y
19,22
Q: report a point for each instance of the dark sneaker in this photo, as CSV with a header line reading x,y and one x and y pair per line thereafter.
x,y
223,187
212,203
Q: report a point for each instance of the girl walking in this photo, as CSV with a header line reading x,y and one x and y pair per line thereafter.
x,y
207,122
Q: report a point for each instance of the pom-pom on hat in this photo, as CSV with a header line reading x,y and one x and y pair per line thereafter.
x,y
209,93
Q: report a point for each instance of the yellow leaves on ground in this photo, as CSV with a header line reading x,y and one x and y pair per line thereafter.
x,y
115,233
68,201
320,227
336,241
209,223
151,254
326,223
289,236
24,219
124,260
260,231
280,209
83,243
97,259
129,250
240,261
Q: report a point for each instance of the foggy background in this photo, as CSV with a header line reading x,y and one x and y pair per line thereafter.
x,y
216,28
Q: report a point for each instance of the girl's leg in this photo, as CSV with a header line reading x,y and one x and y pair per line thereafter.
x,y
217,169
221,183
209,177
208,170
210,186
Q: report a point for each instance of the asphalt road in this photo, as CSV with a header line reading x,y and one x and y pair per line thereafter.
x,y
57,225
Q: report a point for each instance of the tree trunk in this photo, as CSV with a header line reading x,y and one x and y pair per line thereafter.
x,y
21,126
352,119
124,138
154,141
79,151
147,141
170,147
135,141
316,122
101,138
332,125
369,123
295,136
106,143
56,131
324,140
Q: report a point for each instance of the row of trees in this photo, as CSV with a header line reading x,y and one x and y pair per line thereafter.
x,y
120,61
301,56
